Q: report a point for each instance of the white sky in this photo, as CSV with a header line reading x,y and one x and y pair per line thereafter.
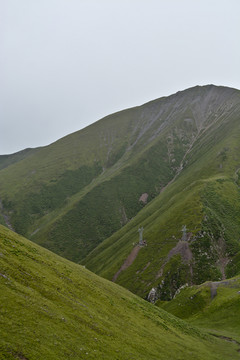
x,y
67,63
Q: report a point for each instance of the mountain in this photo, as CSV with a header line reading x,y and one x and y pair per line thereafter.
x,y
170,163
7,160
52,308
212,305
204,197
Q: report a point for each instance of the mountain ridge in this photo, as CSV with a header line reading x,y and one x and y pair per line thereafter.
x,y
80,195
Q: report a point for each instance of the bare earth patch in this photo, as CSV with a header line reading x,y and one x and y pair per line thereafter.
x,y
143,198
130,259
181,248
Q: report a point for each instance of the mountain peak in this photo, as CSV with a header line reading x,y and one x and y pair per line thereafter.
x,y
79,196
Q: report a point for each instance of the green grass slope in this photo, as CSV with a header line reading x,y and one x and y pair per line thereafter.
x,y
7,160
54,309
205,197
212,305
70,181
97,175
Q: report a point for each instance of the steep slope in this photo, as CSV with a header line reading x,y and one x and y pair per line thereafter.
x,y
54,309
205,197
62,197
7,160
212,305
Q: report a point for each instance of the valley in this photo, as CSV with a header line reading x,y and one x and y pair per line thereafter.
x,y
76,268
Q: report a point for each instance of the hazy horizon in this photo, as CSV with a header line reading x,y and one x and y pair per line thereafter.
x,y
67,64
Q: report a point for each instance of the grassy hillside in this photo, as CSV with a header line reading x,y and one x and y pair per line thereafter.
x,y
213,306
75,177
7,160
53,196
205,197
54,309
81,197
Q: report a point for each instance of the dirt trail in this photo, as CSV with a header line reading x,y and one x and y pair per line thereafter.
x,y
181,248
6,217
215,284
130,259
227,339
223,261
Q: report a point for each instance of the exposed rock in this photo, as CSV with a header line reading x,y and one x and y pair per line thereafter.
x,y
152,296
4,276
179,289
143,198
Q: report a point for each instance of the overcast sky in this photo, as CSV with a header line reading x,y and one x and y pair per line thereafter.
x,y
67,63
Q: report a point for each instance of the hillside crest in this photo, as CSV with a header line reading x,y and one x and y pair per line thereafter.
x,y
81,196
